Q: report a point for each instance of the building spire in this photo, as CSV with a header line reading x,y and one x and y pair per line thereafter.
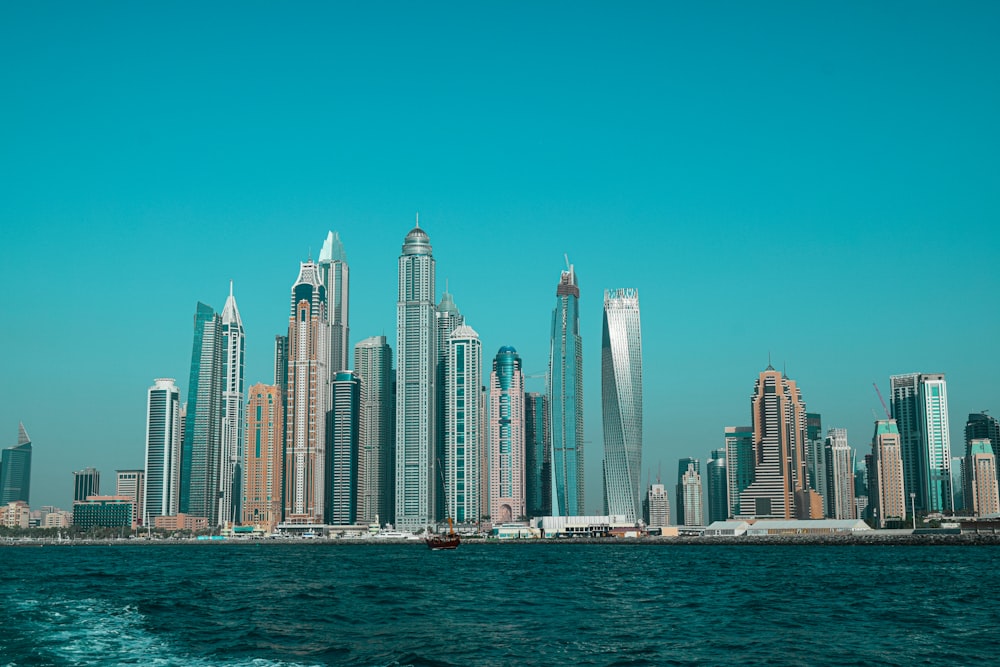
x,y
22,435
418,219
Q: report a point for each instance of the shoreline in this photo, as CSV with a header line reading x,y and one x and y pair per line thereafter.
x,y
909,539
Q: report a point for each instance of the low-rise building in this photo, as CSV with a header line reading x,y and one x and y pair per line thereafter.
x,y
807,527
15,515
104,512
181,521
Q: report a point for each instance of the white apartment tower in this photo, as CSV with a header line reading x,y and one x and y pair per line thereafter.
x,y
161,494
415,384
335,274
839,475
233,414
462,410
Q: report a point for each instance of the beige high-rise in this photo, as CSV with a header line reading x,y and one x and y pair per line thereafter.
x,y
263,462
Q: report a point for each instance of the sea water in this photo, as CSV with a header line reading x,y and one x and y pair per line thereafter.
x,y
317,603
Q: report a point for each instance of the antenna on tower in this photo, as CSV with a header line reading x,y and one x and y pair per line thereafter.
x,y
566,257
418,219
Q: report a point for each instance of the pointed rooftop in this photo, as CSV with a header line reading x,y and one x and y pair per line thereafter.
x,y
417,242
230,313
22,435
447,304
333,249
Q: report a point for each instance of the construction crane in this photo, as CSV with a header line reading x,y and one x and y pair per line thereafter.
x,y
882,400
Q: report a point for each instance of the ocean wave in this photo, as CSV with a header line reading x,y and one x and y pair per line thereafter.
x,y
91,631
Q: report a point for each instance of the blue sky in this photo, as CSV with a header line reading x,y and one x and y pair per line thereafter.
x,y
817,181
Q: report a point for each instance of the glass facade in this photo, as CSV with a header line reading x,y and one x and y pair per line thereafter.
x,y
566,399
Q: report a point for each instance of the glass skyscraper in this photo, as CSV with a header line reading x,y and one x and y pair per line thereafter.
x,y
537,466
717,483
565,378
739,463
335,272
416,347
920,408
202,449
86,482
621,403
15,470
233,414
373,364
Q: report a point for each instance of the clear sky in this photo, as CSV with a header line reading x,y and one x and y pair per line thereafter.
x,y
814,181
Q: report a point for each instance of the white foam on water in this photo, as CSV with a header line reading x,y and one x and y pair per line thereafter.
x,y
91,631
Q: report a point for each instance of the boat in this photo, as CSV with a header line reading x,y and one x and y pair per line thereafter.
x,y
444,542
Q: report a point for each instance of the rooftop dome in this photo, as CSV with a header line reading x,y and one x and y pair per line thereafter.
x,y
417,242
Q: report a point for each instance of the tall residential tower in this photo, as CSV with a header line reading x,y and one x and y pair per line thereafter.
x,y
565,379
507,497
233,415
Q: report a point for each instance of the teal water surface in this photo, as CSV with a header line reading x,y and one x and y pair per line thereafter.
x,y
498,604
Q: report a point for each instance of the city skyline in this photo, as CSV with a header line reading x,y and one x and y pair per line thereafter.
x,y
665,148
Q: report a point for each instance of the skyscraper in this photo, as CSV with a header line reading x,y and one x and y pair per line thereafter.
x,y
718,489
839,475
262,473
335,274
682,468
373,364
739,463
887,496
920,408
657,506
163,450
342,465
816,459
981,478
507,501
780,486
15,470
233,416
621,403
202,449
694,514
131,484
306,403
981,425
446,318
415,384
86,482
462,420
565,392
537,467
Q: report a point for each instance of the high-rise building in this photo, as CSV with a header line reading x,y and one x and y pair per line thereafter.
x,y
163,451
981,425
281,364
718,486
373,364
463,408
131,484
342,449
839,475
621,403
335,273
484,451
981,491
86,482
416,347
306,404
507,498
565,391
202,449
958,476
233,416
780,487
657,506
887,496
694,514
920,408
446,318
262,472
537,467
15,470
679,491
739,463
816,459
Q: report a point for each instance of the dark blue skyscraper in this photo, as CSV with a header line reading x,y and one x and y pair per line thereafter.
x,y
566,399
342,429
15,470
537,466
201,452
